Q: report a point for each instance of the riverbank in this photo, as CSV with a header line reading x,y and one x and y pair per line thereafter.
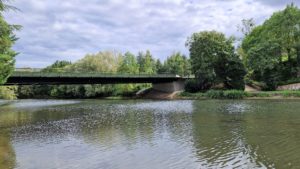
x,y
235,94
211,94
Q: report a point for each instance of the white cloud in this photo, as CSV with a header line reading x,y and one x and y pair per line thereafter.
x,y
55,29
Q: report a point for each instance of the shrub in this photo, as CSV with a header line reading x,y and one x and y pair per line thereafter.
x,y
234,94
8,92
259,94
215,94
226,94
192,86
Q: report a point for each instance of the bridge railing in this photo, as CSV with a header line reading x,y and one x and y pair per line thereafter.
x,y
54,72
34,72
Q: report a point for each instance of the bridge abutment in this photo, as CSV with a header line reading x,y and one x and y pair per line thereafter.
x,y
169,87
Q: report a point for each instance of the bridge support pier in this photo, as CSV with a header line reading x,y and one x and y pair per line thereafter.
x,y
169,87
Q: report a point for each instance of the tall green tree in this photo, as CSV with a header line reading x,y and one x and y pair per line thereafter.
x,y
7,39
214,60
160,68
147,63
274,47
177,64
129,64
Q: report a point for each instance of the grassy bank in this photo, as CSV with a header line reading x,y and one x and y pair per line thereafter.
x,y
236,94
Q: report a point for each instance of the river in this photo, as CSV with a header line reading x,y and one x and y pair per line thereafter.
x,y
145,134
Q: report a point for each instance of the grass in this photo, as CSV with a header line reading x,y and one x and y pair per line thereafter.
x,y
284,93
238,94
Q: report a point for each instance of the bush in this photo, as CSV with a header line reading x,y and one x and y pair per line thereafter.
x,y
192,86
215,94
234,94
226,94
259,94
8,92
290,93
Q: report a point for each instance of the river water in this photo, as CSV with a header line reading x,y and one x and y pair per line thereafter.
x,y
143,134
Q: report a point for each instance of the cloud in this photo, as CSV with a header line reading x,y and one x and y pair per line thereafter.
x,y
279,3
69,29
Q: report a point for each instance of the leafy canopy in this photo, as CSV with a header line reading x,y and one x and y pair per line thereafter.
x,y
7,39
177,64
214,61
273,49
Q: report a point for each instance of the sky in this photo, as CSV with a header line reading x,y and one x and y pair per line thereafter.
x,y
70,29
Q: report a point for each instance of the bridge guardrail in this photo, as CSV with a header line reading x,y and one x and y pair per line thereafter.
x,y
58,72
88,74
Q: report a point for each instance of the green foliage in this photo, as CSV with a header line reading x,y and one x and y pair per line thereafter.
x,y
188,95
285,93
26,92
234,94
225,94
147,63
57,66
161,69
272,50
129,64
101,62
177,64
214,61
8,92
238,94
215,94
7,39
192,86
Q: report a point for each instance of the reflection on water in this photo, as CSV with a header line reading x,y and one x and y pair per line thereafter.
x,y
150,134
7,154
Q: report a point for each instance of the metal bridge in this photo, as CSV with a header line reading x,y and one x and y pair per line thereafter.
x,y
56,78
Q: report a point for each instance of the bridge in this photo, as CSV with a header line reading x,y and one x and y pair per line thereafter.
x,y
161,82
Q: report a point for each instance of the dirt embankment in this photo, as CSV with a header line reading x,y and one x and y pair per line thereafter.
x,y
155,94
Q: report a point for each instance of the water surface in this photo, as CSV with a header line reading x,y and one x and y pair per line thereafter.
x,y
139,134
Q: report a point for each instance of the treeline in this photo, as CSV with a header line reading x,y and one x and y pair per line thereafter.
x,y
111,62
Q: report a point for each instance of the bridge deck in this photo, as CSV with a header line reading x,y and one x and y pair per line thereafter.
x,y
40,78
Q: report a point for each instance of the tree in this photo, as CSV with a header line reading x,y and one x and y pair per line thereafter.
x,y
57,66
129,64
274,47
147,63
7,39
247,26
101,62
177,64
214,61
161,68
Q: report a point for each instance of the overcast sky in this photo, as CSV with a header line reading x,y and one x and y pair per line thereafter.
x,y
69,29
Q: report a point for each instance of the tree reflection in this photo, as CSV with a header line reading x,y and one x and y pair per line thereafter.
x,y
249,134
7,154
273,132
218,134
130,125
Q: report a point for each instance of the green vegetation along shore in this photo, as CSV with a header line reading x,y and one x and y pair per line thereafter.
x,y
237,94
